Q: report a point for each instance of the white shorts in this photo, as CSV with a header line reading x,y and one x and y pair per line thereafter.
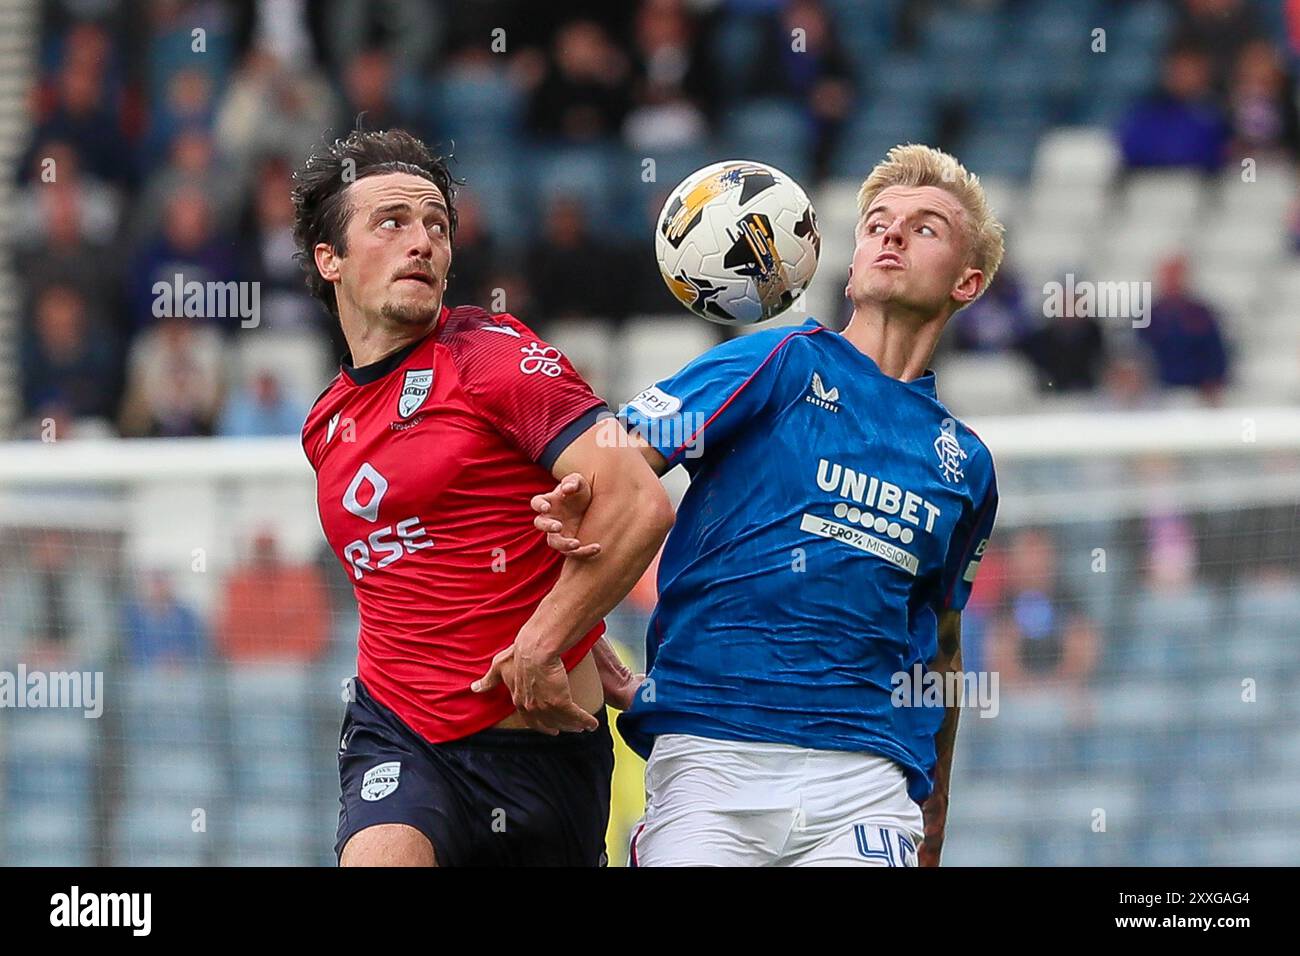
x,y
736,803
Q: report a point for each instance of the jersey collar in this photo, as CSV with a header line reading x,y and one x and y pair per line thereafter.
x,y
925,384
365,374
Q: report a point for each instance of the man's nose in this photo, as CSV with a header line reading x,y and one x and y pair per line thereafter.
x,y
421,245
895,232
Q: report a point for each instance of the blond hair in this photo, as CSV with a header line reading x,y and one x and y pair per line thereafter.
x,y
917,165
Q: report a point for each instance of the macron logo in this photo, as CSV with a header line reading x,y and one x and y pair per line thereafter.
x,y
334,423
821,396
103,909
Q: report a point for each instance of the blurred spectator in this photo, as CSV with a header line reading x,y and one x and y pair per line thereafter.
x,y
66,257
1262,105
671,85
472,255
173,386
159,628
1068,352
1180,125
569,269
1184,336
1040,634
818,73
995,322
58,182
1168,561
584,94
191,165
1221,28
260,410
188,102
65,361
270,109
1127,384
79,108
52,601
188,246
407,31
370,87
272,610
268,254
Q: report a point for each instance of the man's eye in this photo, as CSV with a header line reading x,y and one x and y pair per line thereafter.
x,y
389,223
439,229
927,229
875,226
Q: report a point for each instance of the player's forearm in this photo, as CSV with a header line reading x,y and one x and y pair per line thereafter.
x,y
657,462
935,808
630,515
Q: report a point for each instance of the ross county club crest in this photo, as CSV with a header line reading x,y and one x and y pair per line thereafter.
x,y
415,389
379,781
950,452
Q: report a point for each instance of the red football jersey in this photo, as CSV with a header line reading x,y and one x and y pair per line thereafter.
x,y
425,463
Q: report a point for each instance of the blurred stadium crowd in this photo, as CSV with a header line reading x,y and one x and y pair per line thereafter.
x,y
169,160
1117,165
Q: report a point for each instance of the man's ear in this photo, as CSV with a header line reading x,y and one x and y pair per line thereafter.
x,y
968,286
327,262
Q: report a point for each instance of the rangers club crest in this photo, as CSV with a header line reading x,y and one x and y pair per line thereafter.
x,y
950,452
415,389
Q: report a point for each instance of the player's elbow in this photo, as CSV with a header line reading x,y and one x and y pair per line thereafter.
x,y
655,512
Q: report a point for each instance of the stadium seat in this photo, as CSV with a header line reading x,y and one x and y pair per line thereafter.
x,y
190,774
1263,631
737,46
772,131
49,832
589,345
148,831
984,384
1265,202
1169,196
1076,157
477,107
168,705
654,347
299,363
1003,150
869,135
1172,632
273,834
586,173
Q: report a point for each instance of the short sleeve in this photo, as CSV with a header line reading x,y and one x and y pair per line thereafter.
x,y
524,386
969,541
710,400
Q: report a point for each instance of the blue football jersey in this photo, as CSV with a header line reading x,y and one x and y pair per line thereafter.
x,y
833,513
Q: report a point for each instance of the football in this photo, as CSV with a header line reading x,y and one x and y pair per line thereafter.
x,y
737,242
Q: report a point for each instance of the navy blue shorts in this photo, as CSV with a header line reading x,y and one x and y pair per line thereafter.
x,y
494,798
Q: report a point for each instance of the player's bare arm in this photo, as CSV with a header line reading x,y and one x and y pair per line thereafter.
x,y
631,515
560,511
935,808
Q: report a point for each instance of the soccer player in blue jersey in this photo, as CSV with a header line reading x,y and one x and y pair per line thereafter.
x,y
833,526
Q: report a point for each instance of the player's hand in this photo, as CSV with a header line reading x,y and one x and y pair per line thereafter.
x,y
559,513
541,692
620,685
552,707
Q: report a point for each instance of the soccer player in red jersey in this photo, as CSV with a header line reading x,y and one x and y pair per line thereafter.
x,y
427,448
